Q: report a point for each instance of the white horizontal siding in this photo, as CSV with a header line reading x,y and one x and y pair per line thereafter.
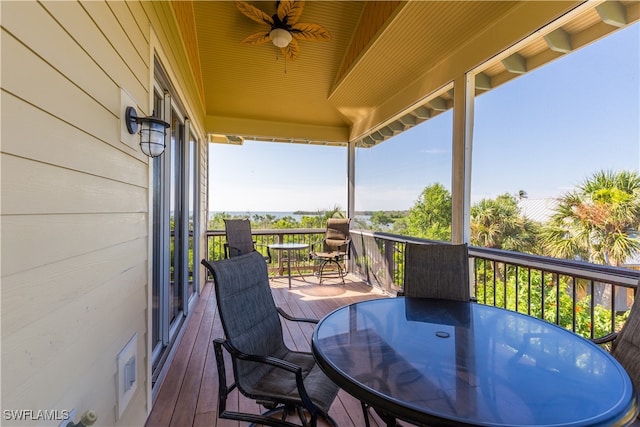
x,y
31,187
47,239
71,354
75,203
61,282
82,28
66,146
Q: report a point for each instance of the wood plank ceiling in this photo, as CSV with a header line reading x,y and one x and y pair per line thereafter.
x,y
334,92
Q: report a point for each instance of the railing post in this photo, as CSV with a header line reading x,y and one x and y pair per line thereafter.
x,y
389,264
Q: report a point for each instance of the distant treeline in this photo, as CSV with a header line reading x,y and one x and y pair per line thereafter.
x,y
394,213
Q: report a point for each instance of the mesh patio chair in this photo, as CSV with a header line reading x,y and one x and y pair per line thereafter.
x,y
240,240
436,271
334,248
625,345
284,381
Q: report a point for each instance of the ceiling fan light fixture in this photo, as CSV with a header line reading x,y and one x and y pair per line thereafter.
x,y
280,37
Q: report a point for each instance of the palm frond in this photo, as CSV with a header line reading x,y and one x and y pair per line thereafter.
x,y
289,11
292,50
256,39
305,31
254,13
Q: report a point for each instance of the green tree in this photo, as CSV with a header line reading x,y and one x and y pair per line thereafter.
x,y
430,216
497,223
598,222
385,220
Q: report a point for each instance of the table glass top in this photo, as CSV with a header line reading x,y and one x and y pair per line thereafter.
x,y
288,245
468,362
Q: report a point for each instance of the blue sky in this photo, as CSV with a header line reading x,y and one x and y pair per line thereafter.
x,y
543,132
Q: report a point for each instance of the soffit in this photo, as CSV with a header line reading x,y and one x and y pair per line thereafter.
x,y
255,83
377,50
421,35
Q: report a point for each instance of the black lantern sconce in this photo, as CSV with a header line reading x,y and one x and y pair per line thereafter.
x,y
152,132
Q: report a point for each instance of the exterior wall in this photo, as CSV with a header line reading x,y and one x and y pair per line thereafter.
x,y
75,201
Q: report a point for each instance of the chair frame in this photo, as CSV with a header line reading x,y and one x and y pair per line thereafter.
x,y
624,343
230,251
331,257
276,405
436,293
224,389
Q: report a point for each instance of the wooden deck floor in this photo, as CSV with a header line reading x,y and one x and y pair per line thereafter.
x,y
189,393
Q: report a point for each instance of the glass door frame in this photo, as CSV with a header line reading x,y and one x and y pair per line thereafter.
x,y
178,166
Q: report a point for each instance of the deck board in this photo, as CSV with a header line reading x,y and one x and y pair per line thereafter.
x,y
188,395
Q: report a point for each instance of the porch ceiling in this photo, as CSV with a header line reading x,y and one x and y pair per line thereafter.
x,y
344,89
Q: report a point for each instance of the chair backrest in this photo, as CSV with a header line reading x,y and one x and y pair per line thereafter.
x,y
626,346
336,237
239,239
248,313
436,271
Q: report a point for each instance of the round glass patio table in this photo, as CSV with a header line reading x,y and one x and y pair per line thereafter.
x,y
288,247
437,362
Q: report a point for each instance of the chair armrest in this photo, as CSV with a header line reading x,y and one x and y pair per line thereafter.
x,y
256,245
295,319
226,251
273,361
270,360
313,245
231,251
605,339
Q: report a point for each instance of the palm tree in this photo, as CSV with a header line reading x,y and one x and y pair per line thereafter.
x,y
598,222
497,223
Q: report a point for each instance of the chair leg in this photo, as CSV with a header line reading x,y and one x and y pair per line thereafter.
x,y
324,263
365,412
340,272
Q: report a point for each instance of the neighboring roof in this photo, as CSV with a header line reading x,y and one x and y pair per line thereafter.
x,y
539,210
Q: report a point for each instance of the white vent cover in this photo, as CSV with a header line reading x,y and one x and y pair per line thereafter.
x,y
127,373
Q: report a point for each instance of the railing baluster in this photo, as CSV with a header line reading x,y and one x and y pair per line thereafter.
x,y
556,281
574,302
592,306
529,291
517,287
542,294
506,283
613,307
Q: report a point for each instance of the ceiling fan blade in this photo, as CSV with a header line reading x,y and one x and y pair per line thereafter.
x,y
289,11
292,50
304,31
253,13
256,39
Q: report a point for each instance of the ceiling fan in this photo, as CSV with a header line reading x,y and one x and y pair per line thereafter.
x,y
284,29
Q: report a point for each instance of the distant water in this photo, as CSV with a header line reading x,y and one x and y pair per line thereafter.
x,y
277,214
250,214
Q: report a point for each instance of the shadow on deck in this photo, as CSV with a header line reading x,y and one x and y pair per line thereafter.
x,y
188,395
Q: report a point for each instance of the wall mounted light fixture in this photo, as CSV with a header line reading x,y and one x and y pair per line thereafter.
x,y
152,131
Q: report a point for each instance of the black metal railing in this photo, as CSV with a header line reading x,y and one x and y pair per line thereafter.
x,y
591,300
263,238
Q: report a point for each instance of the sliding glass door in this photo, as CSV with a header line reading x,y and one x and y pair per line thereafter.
x,y
174,218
